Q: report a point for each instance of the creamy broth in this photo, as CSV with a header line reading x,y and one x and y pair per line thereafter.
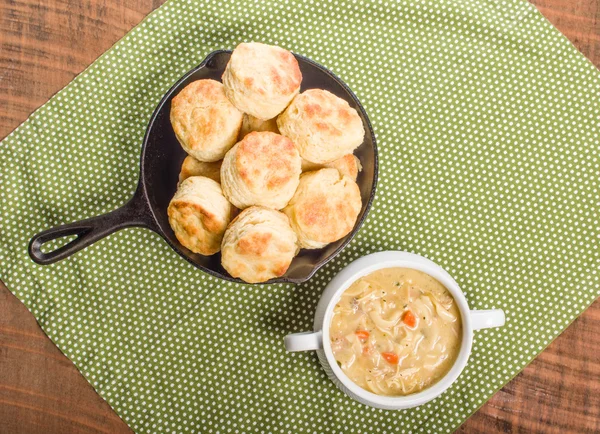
x,y
396,331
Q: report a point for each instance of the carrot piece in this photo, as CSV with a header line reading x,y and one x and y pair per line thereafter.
x,y
362,334
409,319
391,358
366,350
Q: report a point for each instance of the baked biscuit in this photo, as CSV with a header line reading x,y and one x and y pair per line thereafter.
x,y
324,208
199,215
250,123
205,122
323,126
263,169
193,167
261,79
258,245
348,165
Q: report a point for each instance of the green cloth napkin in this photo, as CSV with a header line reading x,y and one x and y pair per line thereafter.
x,y
488,122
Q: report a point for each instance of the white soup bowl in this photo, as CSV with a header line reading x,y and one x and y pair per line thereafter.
x,y
319,340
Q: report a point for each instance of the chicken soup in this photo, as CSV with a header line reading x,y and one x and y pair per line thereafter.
x,y
396,331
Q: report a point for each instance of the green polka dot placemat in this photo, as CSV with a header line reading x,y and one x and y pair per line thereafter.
x,y
488,123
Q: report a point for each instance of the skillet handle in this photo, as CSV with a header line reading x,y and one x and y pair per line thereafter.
x,y
136,212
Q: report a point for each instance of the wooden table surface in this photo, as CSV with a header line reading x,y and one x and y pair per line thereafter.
x,y
44,44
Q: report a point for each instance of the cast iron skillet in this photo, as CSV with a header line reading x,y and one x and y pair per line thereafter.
x,y
159,169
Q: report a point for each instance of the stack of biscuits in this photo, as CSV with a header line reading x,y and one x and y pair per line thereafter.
x,y
269,170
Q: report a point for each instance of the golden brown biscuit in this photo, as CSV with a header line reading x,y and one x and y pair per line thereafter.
x,y
250,123
205,122
193,167
261,79
258,245
263,169
324,208
323,126
199,215
348,165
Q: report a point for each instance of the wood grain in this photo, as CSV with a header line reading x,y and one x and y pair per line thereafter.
x,y
44,44
40,389
558,392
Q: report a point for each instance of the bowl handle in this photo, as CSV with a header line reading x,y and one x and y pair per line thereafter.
x,y
485,319
304,341
135,212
